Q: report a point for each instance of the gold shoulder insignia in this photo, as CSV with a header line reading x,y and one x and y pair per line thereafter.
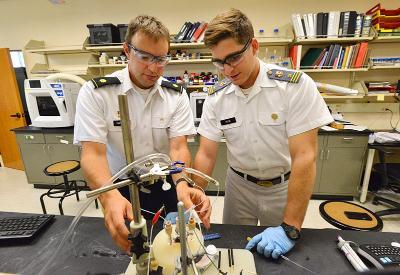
x,y
219,86
104,81
173,86
285,75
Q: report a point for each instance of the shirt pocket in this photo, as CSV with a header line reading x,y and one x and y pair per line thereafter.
x,y
271,118
160,126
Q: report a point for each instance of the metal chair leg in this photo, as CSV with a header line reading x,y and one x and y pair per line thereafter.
x,y
96,203
76,189
60,206
42,203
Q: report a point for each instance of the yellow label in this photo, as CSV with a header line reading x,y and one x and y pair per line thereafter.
x,y
380,97
103,80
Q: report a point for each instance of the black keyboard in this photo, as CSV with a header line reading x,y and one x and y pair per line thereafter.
x,y
23,227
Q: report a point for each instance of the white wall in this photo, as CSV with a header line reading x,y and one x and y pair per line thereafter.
x,y
22,20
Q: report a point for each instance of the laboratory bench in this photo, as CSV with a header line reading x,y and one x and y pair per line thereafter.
x,y
340,162
92,251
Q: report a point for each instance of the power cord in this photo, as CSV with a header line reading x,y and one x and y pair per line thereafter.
x,y
394,128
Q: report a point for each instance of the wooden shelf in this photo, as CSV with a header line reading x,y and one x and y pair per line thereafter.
x,y
39,47
325,96
107,65
272,41
190,61
333,70
386,39
304,41
384,67
385,95
109,48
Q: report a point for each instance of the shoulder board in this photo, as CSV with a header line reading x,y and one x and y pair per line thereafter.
x,y
219,86
173,86
284,75
104,81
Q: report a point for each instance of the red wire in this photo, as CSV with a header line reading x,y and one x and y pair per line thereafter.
x,y
157,216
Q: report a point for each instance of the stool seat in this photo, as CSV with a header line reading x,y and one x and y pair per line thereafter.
x,y
66,188
62,167
350,216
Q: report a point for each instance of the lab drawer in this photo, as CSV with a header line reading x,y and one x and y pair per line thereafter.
x,y
347,141
25,138
59,138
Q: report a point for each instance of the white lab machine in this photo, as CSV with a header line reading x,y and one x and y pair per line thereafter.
x,y
196,103
52,104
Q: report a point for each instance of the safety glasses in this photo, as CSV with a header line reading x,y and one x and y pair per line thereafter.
x,y
148,58
232,59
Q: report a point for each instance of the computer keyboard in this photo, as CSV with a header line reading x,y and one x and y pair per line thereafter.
x,y
22,228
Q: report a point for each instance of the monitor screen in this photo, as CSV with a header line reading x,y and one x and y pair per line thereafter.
x,y
47,106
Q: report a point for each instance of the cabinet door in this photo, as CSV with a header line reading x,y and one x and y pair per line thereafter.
x,y
35,159
60,152
320,157
341,171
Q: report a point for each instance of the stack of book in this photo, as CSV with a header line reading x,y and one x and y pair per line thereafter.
x,y
382,87
335,56
385,61
191,32
331,24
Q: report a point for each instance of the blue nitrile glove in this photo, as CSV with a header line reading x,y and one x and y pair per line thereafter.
x,y
271,242
171,216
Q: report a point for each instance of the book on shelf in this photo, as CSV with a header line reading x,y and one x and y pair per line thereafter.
x,y
334,56
331,24
190,32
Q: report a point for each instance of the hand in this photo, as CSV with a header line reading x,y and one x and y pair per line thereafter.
x,y
192,196
271,242
116,210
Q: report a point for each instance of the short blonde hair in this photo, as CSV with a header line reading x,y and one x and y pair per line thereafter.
x,y
149,25
230,24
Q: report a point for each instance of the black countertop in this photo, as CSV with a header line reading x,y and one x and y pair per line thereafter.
x,y
91,250
66,130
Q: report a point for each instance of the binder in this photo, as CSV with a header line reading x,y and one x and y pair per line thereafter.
x,y
340,33
352,23
325,20
320,19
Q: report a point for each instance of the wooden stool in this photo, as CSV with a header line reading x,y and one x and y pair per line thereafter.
x,y
66,188
350,216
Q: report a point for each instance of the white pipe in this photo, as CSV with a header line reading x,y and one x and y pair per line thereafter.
x,y
71,77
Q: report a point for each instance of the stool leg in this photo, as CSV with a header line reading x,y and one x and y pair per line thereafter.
x,y
60,206
96,203
42,203
76,190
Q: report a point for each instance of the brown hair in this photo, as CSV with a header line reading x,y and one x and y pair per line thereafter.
x,y
149,25
230,24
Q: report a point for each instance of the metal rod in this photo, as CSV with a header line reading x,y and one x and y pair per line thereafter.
x,y
128,148
182,235
108,188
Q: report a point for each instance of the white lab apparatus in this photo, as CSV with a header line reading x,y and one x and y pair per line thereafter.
x,y
51,104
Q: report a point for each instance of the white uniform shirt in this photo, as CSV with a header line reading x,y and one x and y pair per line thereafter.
x,y
257,127
165,114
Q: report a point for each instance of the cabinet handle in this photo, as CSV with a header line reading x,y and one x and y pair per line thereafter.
x,y
44,148
321,155
327,154
49,148
60,136
347,138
